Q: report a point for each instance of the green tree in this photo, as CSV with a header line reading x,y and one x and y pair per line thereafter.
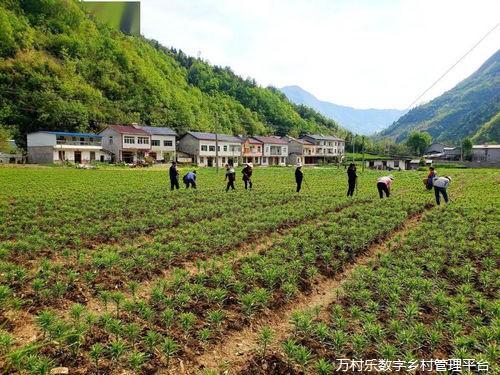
x,y
467,149
418,142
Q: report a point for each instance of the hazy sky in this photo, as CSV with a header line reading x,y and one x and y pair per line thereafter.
x,y
360,53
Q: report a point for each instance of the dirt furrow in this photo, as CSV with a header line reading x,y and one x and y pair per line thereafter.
x,y
236,348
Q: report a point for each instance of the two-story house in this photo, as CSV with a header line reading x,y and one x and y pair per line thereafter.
x,y
54,146
275,150
251,150
162,142
328,149
126,143
300,151
202,148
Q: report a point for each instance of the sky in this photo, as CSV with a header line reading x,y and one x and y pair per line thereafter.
x,y
359,53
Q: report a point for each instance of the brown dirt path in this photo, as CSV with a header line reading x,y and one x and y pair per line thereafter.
x,y
236,348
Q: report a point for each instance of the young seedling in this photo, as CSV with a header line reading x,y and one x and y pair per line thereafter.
x,y
96,353
169,348
265,339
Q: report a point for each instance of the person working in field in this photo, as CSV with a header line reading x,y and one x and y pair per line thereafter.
x,y
230,177
351,179
174,176
440,186
299,176
384,185
247,176
428,182
190,179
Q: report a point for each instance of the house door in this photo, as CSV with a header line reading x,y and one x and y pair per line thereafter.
x,y
78,156
92,156
102,158
62,155
210,162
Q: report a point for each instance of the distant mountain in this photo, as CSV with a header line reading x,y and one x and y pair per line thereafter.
x,y
361,121
470,109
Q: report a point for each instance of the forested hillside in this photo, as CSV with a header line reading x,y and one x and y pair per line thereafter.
x,y
62,70
470,109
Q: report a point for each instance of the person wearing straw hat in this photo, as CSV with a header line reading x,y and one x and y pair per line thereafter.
x,y
247,176
299,176
384,185
440,186
230,177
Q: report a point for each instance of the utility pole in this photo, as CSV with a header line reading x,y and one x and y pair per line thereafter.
x,y
216,145
353,148
363,146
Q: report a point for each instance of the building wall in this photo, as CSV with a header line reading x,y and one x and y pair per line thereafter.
x,y
392,164
41,139
40,154
189,144
117,141
166,153
491,155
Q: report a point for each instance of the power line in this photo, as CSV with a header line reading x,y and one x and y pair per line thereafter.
x,y
456,63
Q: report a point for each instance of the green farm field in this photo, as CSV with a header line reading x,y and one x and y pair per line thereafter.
x,y
108,271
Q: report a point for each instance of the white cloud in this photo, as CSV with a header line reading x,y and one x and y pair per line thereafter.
x,y
363,53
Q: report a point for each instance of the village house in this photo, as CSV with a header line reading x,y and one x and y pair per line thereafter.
x,y
201,147
389,164
12,154
162,142
300,151
54,146
251,150
486,153
275,150
126,143
328,149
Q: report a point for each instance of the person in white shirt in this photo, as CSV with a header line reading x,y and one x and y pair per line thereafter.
x,y
384,185
440,186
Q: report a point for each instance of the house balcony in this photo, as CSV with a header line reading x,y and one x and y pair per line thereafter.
x,y
77,143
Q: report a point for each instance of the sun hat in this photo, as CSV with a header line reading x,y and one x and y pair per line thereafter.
x,y
448,177
250,165
298,165
391,177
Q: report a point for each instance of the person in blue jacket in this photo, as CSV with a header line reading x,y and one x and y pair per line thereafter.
x,y
190,179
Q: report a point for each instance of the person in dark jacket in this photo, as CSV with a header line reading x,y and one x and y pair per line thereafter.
x,y
230,177
174,176
190,179
299,176
351,179
247,176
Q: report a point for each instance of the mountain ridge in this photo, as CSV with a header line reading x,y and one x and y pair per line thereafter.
x,y
470,109
361,121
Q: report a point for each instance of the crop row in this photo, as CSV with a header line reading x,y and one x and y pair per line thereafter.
x,y
183,314
434,296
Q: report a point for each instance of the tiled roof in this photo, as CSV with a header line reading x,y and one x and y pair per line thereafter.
x,y
211,137
250,140
271,140
156,130
128,129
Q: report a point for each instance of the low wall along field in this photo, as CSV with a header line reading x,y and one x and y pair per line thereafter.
x,y
108,271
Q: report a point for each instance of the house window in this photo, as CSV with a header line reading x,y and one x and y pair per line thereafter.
x,y
225,149
128,139
264,160
211,148
396,163
371,164
223,160
143,140
110,140
267,150
201,159
167,143
204,148
155,142
283,150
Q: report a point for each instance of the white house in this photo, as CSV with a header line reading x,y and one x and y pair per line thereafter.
x,y
162,142
328,149
53,146
126,143
275,150
201,146
388,164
